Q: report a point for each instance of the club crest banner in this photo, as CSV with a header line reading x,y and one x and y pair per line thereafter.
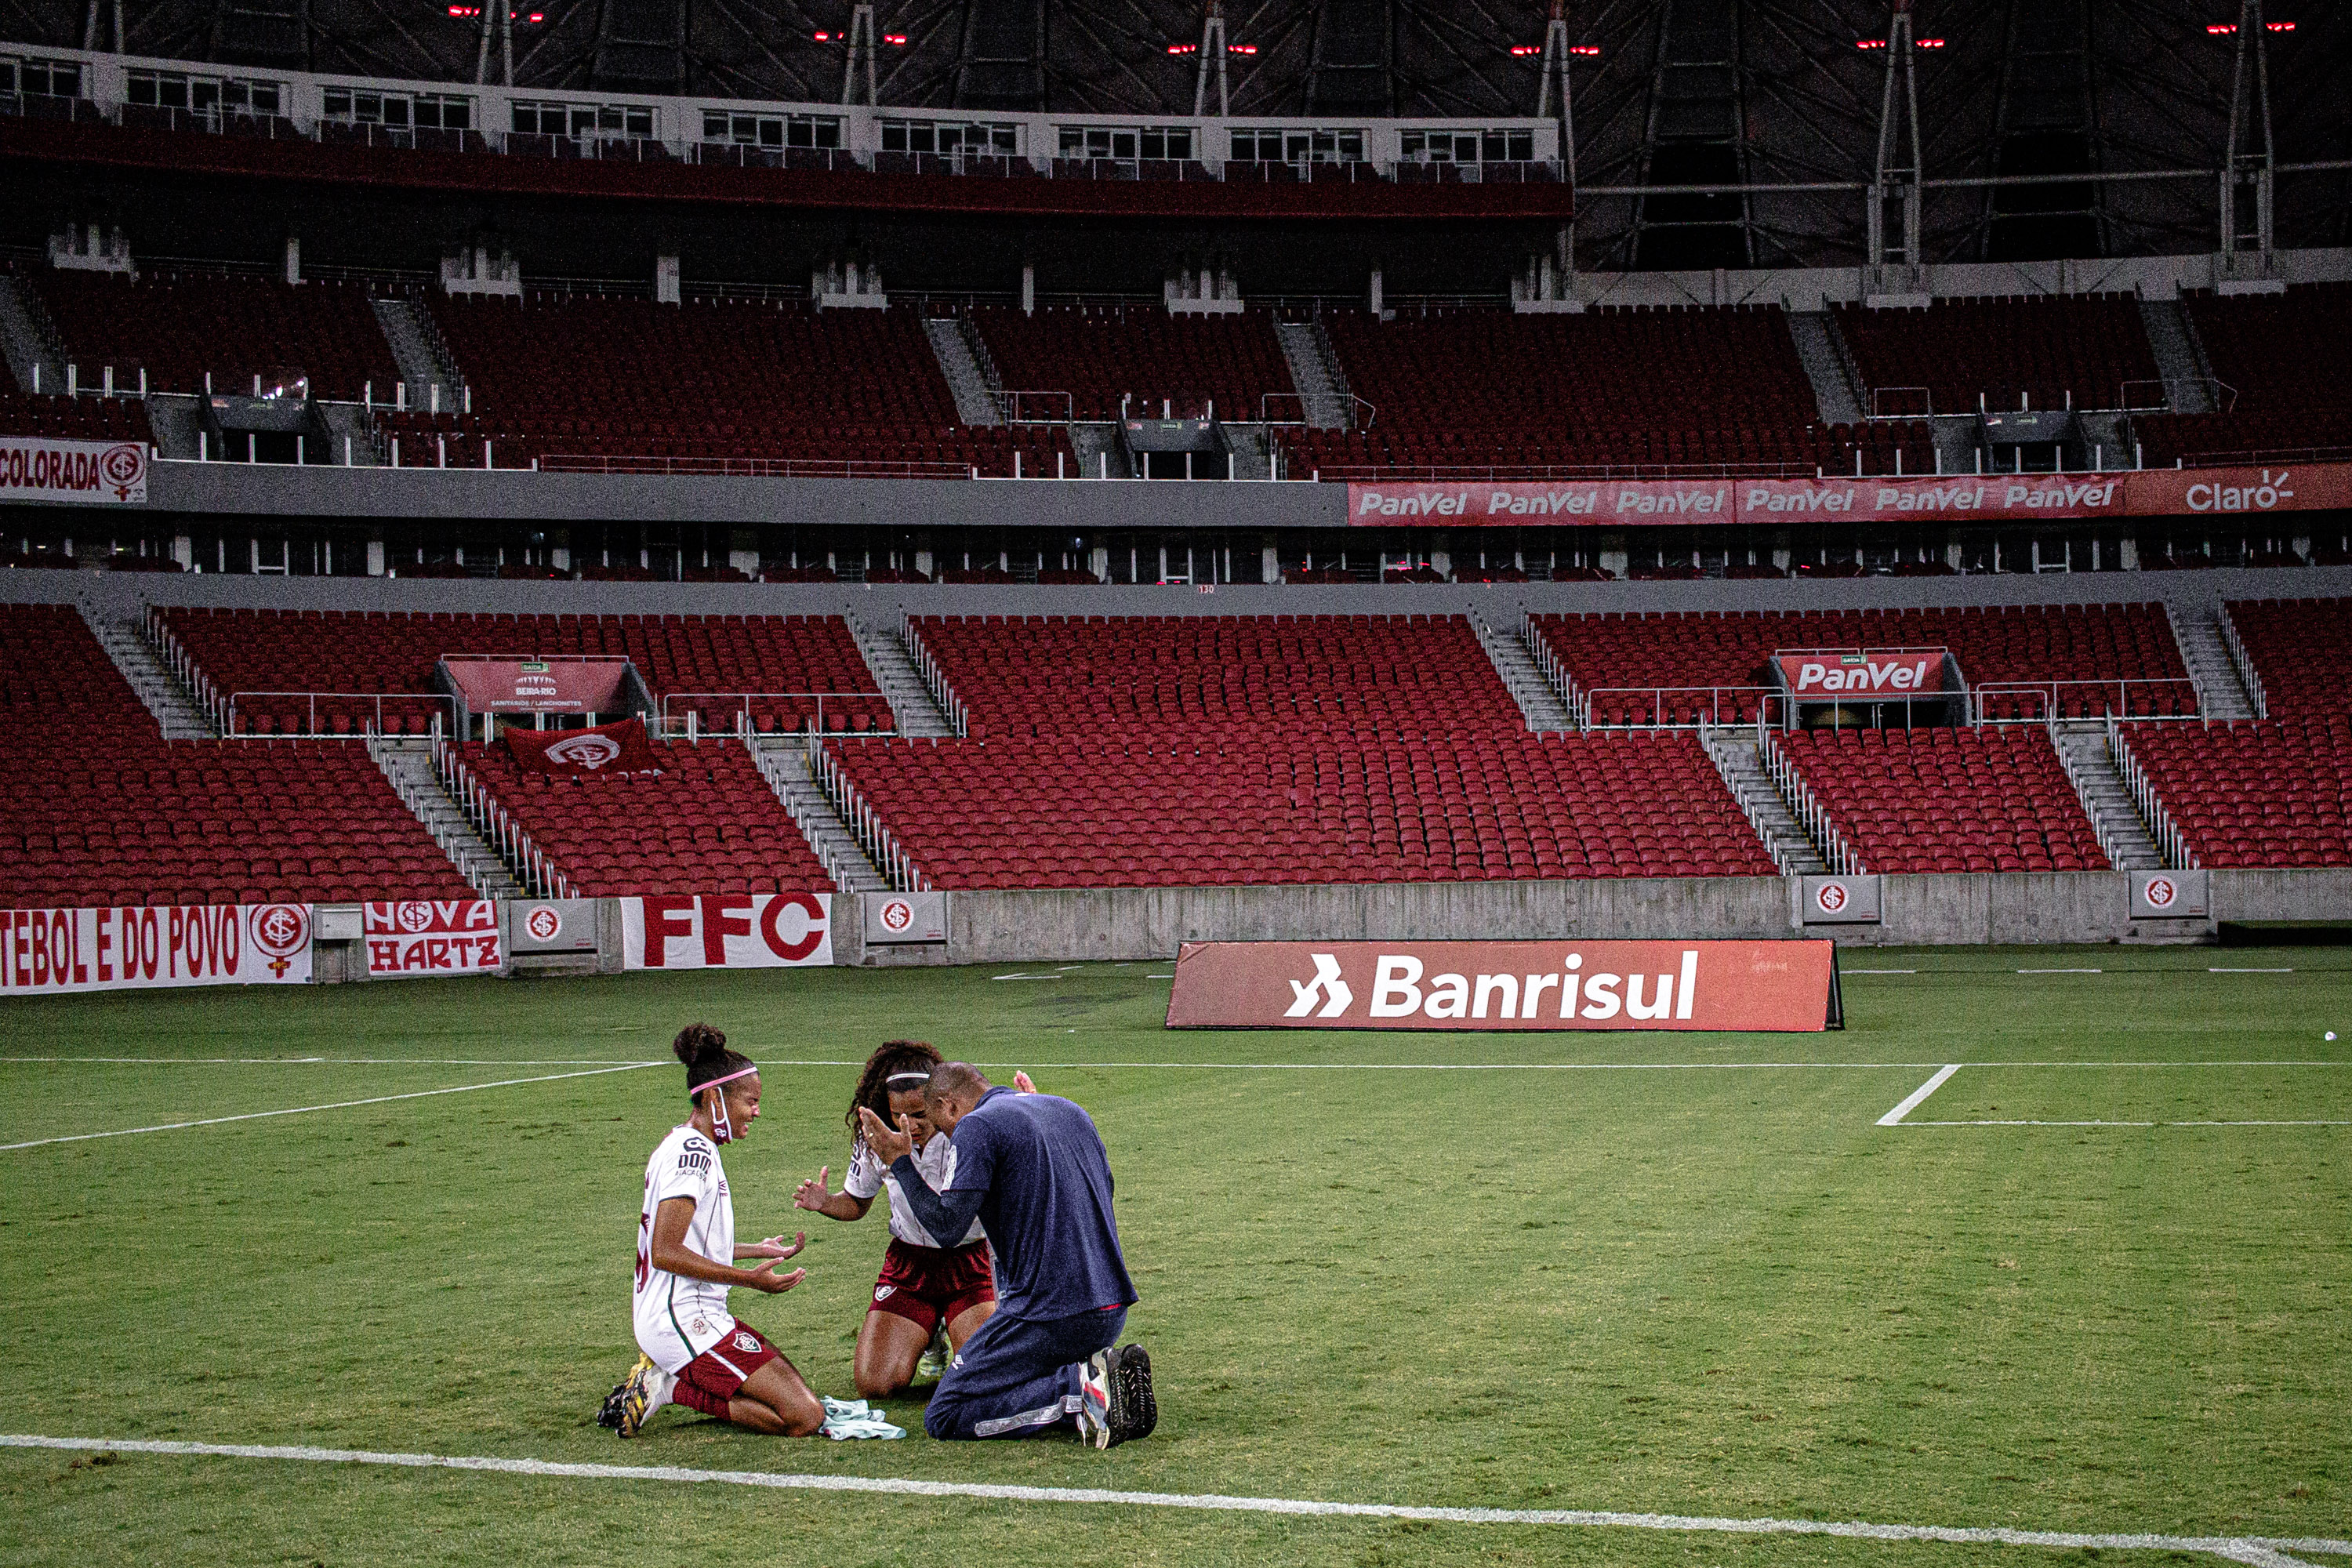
x,y
621,748
59,950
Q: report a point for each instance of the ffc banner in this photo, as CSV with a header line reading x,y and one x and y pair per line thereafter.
x,y
1538,985
2152,493
727,930
54,952
102,473
451,936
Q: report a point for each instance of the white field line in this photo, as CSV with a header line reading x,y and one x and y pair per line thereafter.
x,y
306,1110
2118,1124
1878,971
2257,1550
2064,972
338,1061
1895,1117
2211,971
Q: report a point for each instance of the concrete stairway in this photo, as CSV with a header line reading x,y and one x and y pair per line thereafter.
x,y
2082,749
172,704
1253,450
26,340
2187,379
348,435
175,419
417,349
913,710
783,762
2220,694
1315,375
1823,352
976,399
1091,443
1522,677
1733,751
409,766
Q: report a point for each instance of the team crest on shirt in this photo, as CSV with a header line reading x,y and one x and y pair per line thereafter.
x,y
882,1292
700,1327
746,1342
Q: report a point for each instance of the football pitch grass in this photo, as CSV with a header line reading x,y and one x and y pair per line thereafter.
x,y
2099,1280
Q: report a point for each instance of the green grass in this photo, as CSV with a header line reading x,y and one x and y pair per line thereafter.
x,y
1722,1292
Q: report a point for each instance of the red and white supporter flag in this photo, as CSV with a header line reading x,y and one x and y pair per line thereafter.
x,y
442,936
621,748
53,952
108,473
727,930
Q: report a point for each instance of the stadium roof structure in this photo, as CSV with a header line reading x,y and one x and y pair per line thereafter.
x,y
1735,133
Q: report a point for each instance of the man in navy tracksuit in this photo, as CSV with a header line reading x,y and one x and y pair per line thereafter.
x,y
1032,1168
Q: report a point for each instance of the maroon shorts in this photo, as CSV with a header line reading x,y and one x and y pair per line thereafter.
x,y
722,1369
932,1285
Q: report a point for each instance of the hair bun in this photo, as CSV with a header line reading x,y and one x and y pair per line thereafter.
x,y
697,1041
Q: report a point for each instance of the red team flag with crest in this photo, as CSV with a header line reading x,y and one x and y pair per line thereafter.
x,y
621,748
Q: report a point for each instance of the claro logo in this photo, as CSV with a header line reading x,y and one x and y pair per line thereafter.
x,y
1399,989
2241,498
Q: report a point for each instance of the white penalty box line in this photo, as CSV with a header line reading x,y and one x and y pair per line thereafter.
x,y
1899,1116
2264,1551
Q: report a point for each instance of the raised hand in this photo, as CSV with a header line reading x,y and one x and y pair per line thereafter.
x,y
812,1193
887,1142
1022,1081
776,1247
760,1276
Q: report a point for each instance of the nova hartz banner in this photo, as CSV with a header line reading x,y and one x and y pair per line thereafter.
x,y
1494,985
727,930
54,952
91,473
441,936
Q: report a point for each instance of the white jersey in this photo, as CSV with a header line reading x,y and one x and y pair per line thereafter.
x,y
936,1160
677,1319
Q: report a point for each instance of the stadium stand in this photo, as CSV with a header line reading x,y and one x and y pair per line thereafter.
x,y
2301,653
2076,350
719,658
1979,799
184,327
105,811
1232,750
707,823
1678,668
2279,358
627,383
1472,389
1104,355
74,418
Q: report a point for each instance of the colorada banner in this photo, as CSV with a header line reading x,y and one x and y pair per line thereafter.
x,y
451,936
54,952
621,748
1492,985
727,930
100,473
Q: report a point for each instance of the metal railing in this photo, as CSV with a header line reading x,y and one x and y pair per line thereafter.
x,y
2171,841
508,839
1361,410
2045,701
1881,397
865,824
1810,815
1033,407
1715,705
755,468
1439,473
1708,739
1547,661
941,692
684,721
2108,843
2243,662
370,702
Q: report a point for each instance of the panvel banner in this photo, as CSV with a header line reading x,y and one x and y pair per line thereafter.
x,y
2152,493
727,930
54,952
556,684
442,936
1874,672
621,748
98,473
1787,986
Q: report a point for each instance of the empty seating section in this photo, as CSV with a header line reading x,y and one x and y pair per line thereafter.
x,y
1196,675
105,811
74,418
1618,388
708,823
1105,354
1678,668
706,382
1990,799
2280,358
182,328
1218,750
2048,349
707,663
2301,653
2277,793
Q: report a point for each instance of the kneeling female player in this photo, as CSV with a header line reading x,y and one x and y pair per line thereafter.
x,y
694,1350
924,1285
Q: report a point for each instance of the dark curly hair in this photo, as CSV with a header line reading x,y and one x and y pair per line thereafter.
x,y
891,1057
704,1051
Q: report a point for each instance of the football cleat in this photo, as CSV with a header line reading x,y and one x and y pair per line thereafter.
x,y
1095,1376
934,1362
645,1390
1132,1410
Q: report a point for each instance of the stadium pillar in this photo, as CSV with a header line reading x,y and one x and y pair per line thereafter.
x,y
1896,176
2252,159
1028,288
1376,290
293,259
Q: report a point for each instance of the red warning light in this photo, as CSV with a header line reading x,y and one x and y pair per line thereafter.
x,y
1926,43
1521,51
1589,50
895,41
1240,48
2280,26
1870,43
2220,29
1183,49
824,37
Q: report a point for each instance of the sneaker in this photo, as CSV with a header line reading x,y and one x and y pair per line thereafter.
x,y
933,1365
1130,1409
1094,1397
645,1390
